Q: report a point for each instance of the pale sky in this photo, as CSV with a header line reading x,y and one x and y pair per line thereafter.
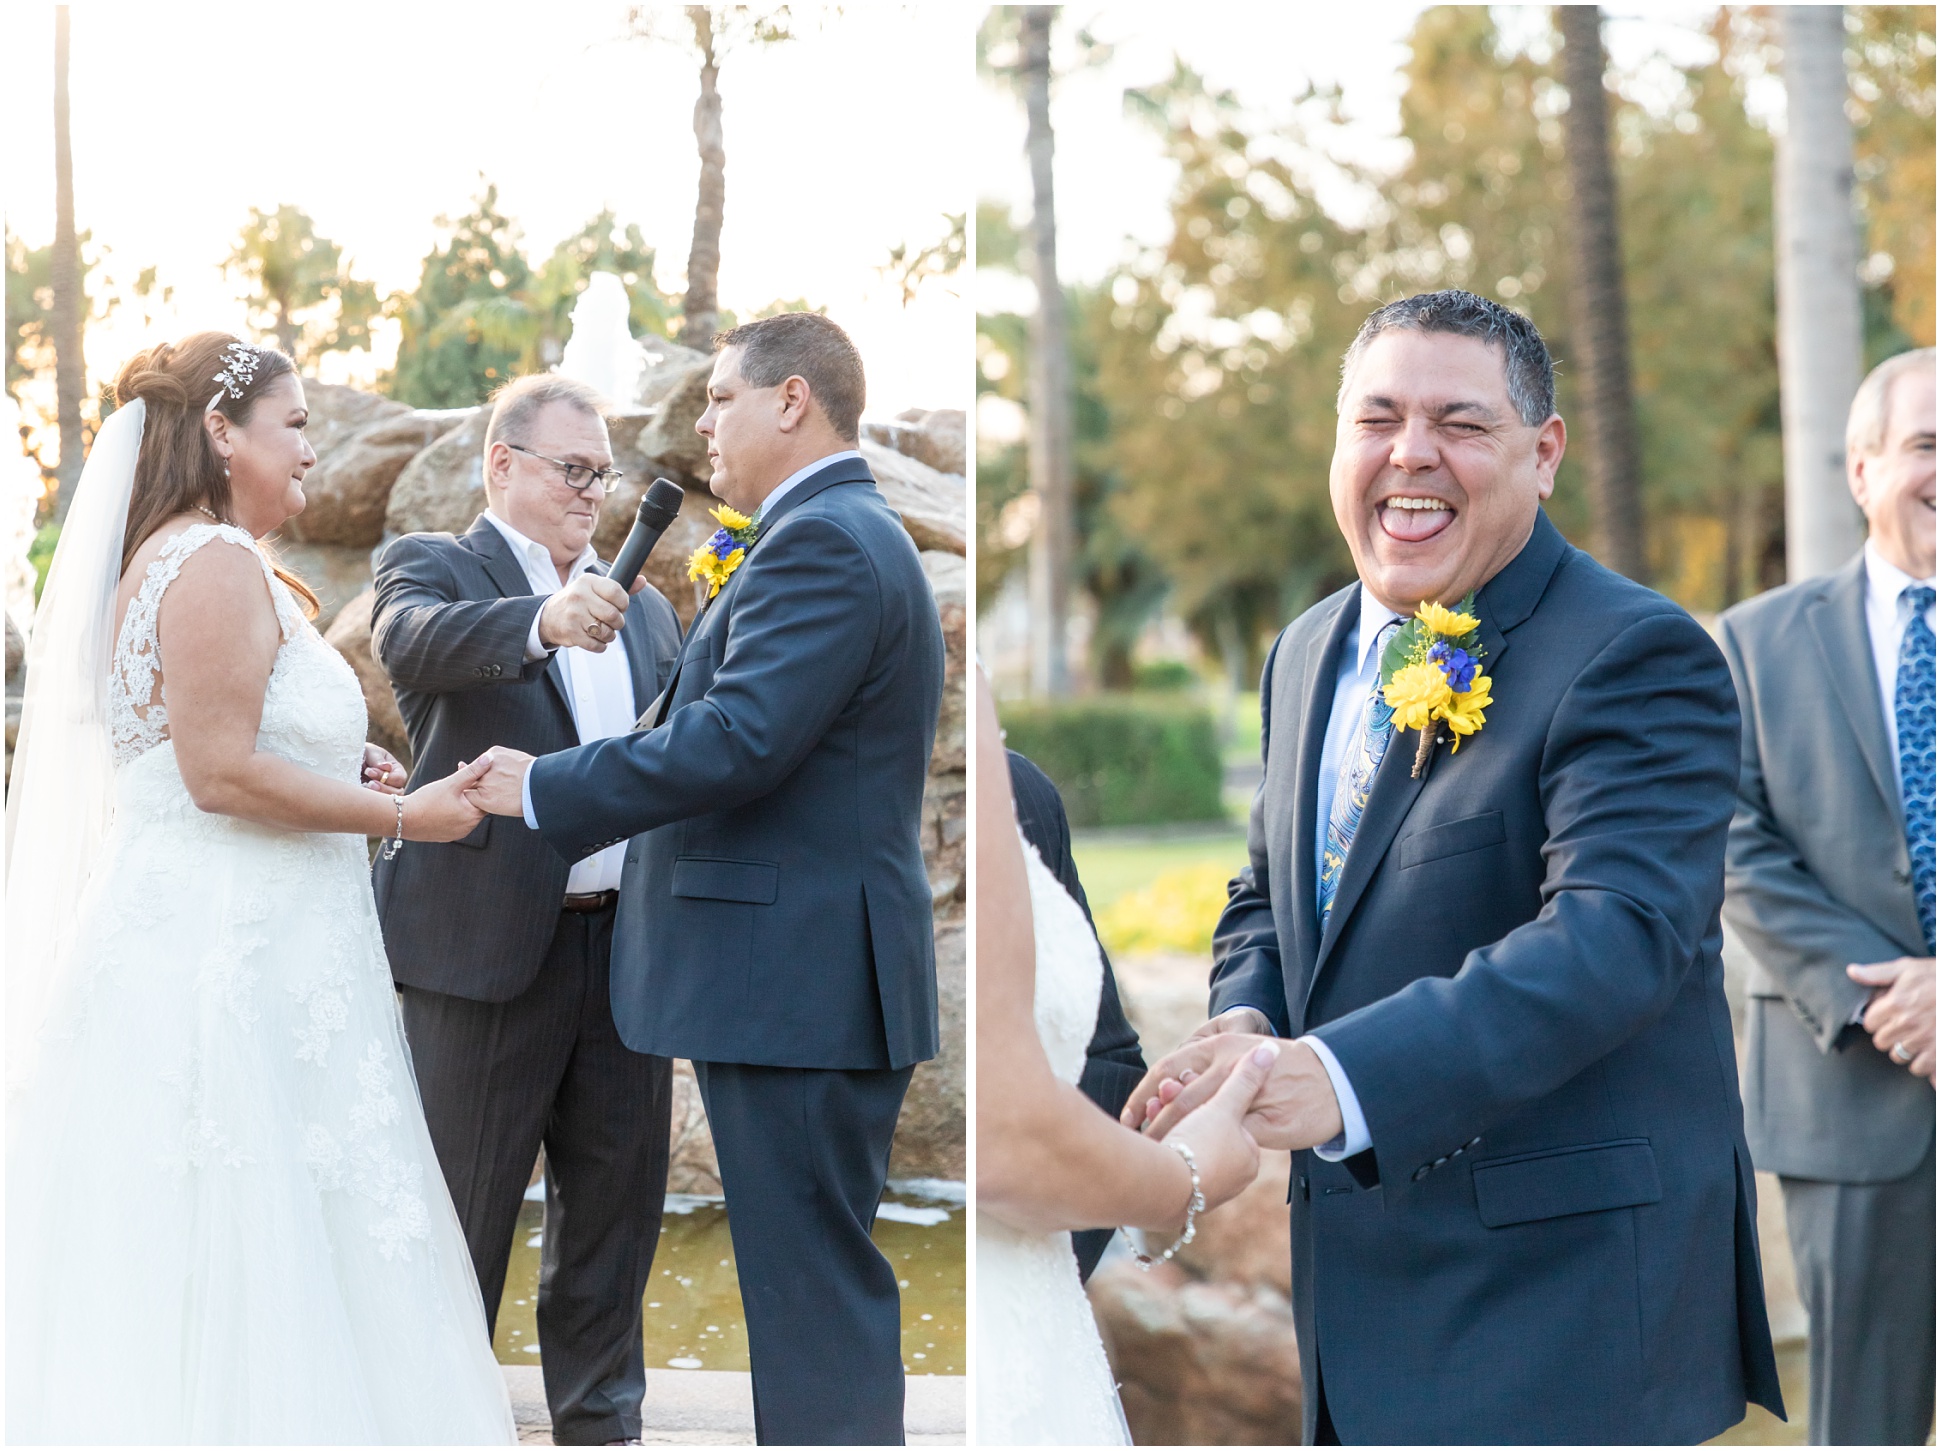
x,y
377,118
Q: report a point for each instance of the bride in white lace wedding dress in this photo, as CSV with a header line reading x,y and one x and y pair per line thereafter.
x,y
1048,1161
225,1222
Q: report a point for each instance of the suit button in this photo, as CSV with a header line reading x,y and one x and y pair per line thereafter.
x,y
1440,1162
1473,1142
1420,1174
480,672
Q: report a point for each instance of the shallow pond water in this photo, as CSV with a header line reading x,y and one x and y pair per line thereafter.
x,y
691,1314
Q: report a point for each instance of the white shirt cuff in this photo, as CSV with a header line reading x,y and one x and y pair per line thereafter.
x,y
525,806
534,649
1353,1137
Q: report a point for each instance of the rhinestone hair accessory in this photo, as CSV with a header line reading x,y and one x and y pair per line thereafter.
x,y
238,372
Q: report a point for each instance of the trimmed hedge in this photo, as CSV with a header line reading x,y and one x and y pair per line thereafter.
x,y
1124,759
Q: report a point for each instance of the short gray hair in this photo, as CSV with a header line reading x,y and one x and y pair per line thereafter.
x,y
1527,369
521,400
1867,418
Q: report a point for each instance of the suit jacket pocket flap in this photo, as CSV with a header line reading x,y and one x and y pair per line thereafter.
x,y
478,836
1556,1182
1470,833
726,881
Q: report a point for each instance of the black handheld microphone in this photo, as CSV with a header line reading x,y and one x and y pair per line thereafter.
x,y
659,507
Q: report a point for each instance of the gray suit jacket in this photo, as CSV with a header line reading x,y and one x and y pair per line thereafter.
x,y
1817,876
473,918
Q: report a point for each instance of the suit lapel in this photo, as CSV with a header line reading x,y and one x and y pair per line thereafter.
x,y
1839,618
1316,679
509,575
843,471
1501,605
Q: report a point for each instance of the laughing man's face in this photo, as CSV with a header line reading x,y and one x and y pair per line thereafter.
x,y
1435,480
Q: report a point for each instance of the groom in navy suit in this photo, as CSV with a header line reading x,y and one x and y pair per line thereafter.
x,y
775,913
1523,1207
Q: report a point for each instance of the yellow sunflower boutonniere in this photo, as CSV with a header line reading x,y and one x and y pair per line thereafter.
x,y
721,556
1429,675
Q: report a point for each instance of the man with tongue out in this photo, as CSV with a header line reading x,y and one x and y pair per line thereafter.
x,y
1522,1203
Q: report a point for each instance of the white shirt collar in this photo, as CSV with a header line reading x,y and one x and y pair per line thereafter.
x,y
532,552
1374,617
1885,581
768,504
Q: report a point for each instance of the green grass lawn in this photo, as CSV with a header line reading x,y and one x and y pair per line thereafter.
x,y
1112,863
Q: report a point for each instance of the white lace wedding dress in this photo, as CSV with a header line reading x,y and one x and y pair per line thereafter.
x,y
1042,1377
225,1222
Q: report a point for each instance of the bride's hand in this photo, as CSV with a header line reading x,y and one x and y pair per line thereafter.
x,y
1224,1152
439,810
383,772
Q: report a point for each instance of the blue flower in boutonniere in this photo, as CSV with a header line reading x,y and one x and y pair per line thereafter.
x,y
721,556
1429,675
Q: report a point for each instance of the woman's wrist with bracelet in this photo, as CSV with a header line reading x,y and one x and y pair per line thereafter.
x,y
1194,1207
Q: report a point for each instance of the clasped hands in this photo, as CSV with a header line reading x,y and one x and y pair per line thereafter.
x,y
1294,1108
1900,1015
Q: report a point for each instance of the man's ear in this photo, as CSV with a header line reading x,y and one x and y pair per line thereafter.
x,y
796,398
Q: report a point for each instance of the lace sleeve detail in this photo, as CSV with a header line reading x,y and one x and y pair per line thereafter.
x,y
137,717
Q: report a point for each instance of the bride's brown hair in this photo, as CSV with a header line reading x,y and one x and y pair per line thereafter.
x,y
179,467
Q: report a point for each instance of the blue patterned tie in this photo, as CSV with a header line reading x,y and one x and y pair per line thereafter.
x,y
1357,775
1914,724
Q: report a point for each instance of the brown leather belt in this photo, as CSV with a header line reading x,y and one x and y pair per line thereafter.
x,y
590,901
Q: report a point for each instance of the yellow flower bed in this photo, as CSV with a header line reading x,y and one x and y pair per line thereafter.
x,y
1175,912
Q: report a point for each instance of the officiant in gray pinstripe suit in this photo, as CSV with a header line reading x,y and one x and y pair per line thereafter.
x,y
499,946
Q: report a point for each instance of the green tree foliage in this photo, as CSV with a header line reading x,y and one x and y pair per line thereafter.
x,y
1112,567
1890,70
1216,353
458,340
304,294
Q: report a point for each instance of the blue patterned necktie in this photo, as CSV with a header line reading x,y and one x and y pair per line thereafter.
x,y
1357,775
1914,724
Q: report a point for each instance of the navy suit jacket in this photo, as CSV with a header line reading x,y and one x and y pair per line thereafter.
x,y
1553,1237
774,906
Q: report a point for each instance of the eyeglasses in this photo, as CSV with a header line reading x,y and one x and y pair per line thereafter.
x,y
578,476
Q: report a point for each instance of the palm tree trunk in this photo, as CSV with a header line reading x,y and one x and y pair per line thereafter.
x,y
288,334
1819,291
70,374
701,308
1049,452
1600,325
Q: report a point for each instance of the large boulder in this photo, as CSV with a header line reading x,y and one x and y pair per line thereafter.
x,y
682,389
934,506
1199,1363
350,634
442,489
933,436
666,367
348,491
930,1138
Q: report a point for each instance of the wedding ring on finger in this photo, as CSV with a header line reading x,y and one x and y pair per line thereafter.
x,y
1900,1054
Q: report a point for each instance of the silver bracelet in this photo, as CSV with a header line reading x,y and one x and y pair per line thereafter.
x,y
1194,1204
396,843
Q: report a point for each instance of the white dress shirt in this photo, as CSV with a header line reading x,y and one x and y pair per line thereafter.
x,y
767,507
599,689
1888,617
1354,682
